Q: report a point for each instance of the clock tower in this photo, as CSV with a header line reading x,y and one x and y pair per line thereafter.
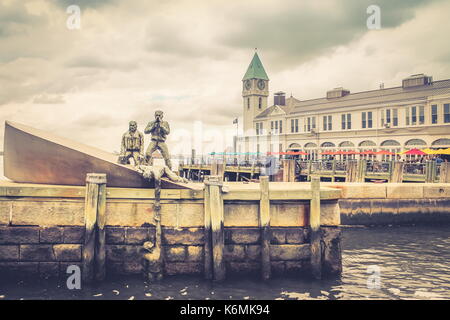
x,y
255,90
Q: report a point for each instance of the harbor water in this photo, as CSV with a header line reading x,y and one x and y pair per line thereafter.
x,y
407,263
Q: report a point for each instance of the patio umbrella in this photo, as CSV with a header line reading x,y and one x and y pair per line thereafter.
x,y
385,152
445,151
415,152
368,152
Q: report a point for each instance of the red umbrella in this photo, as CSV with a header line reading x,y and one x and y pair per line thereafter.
x,y
385,152
415,152
368,152
328,153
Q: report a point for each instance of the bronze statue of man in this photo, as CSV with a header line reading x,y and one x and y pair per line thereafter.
x,y
159,130
132,145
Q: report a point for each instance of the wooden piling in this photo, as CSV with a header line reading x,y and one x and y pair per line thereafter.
x,y
100,245
264,224
397,172
333,169
91,216
362,168
208,259
314,223
217,231
352,171
288,170
444,176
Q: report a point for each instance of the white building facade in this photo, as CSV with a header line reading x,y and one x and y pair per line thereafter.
x,y
413,115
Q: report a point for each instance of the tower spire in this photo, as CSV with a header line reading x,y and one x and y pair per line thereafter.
x,y
256,70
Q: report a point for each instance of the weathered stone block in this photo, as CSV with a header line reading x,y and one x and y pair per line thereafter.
x,y
51,235
19,269
240,214
5,208
195,253
296,236
48,270
234,253
243,267
36,252
404,191
440,190
242,235
290,252
136,235
363,191
67,252
174,268
253,252
186,236
289,214
331,251
132,268
330,214
48,213
73,235
9,252
278,236
19,235
175,253
121,253
115,235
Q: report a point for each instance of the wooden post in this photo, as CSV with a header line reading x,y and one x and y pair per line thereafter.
x,y
100,245
444,175
93,182
333,169
391,170
288,170
314,223
352,171
264,224
208,249
216,205
362,168
308,178
397,172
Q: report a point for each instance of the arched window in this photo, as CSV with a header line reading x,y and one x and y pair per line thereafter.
x,y
328,145
390,143
259,103
415,142
294,146
310,145
346,144
444,142
367,143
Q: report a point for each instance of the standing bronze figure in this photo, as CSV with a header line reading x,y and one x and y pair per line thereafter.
x,y
132,145
159,130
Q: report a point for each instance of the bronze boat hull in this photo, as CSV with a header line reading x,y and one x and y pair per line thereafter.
x,y
36,156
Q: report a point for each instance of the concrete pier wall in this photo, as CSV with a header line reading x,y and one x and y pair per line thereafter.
x,y
393,203
42,230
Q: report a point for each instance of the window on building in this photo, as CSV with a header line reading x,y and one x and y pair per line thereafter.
x,y
248,103
447,113
389,117
413,116
259,103
292,125
296,125
363,120
310,124
421,114
257,128
434,114
349,120
327,126
395,117
276,126
281,126
343,123
369,119
407,116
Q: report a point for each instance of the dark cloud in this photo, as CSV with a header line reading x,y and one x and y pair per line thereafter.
x,y
295,33
84,3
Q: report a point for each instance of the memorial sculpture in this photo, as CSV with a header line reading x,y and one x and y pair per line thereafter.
x,y
159,130
132,145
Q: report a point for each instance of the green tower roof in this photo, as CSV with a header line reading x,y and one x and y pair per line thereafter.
x,y
256,70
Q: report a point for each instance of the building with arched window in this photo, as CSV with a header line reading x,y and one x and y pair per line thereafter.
x,y
415,114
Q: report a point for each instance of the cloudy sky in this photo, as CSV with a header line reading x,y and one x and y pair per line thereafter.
x,y
188,58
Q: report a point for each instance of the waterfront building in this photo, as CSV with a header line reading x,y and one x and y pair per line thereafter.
x,y
415,114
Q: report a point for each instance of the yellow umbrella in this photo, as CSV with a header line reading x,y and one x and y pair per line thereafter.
x,y
429,151
445,151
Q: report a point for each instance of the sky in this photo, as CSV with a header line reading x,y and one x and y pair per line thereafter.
x,y
187,58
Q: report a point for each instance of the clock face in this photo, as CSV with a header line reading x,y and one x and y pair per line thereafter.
x,y
261,84
248,84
